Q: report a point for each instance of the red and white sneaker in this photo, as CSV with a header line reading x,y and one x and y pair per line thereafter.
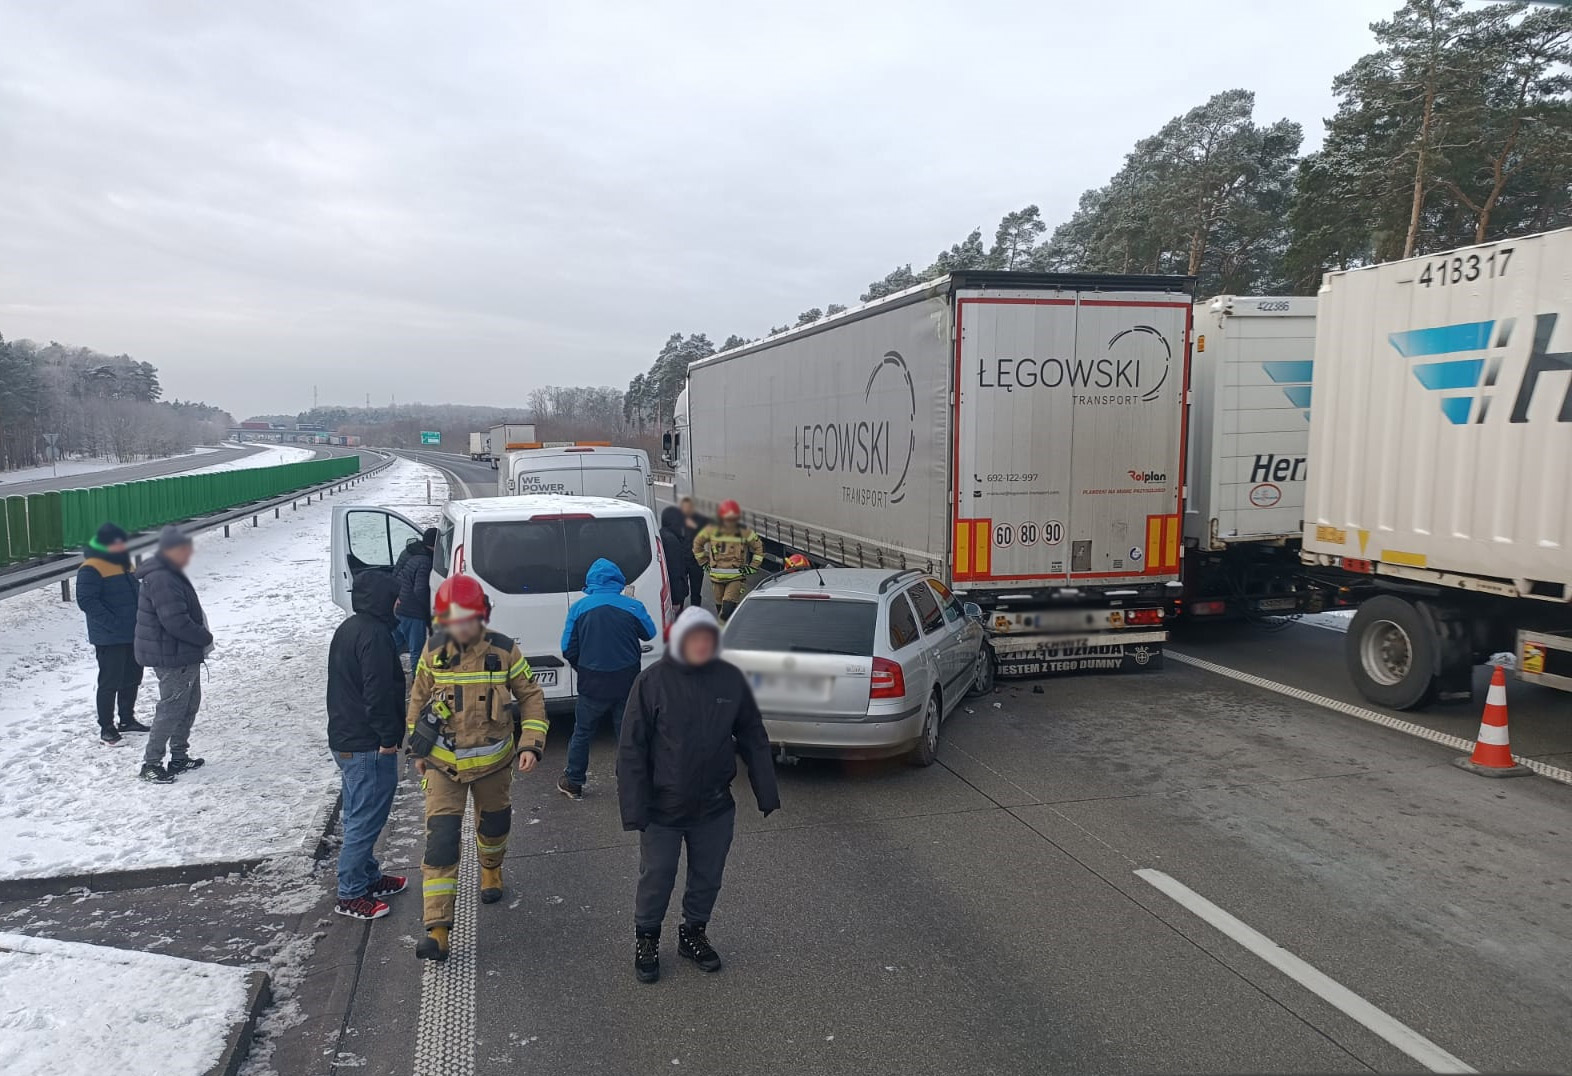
x,y
367,908
387,885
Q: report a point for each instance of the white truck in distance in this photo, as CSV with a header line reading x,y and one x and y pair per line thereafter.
x,y
1250,367
480,447
1018,435
508,437
1440,487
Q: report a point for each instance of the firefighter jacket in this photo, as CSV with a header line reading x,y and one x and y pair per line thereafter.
x,y
726,555
468,688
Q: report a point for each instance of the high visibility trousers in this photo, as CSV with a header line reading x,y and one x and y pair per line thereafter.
x,y
725,590
445,799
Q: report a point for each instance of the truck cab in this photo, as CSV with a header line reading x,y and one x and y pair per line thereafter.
x,y
579,470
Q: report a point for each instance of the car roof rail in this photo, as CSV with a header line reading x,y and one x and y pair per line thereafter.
x,y
897,577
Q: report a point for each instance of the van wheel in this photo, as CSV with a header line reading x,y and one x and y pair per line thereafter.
x,y
926,753
1391,653
983,675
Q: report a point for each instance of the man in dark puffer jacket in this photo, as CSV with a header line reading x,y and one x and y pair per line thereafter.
x,y
106,594
173,640
413,574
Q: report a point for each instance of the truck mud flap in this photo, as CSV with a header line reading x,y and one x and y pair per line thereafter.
x,y
1077,656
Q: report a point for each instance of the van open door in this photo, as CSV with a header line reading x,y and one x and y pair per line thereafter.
x,y
365,539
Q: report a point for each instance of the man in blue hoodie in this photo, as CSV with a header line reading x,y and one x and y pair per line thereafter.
x,y
601,641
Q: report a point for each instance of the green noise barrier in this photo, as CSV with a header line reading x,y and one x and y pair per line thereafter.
x,y
42,524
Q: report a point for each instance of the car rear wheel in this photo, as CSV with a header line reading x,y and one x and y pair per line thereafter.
x,y
983,674
926,753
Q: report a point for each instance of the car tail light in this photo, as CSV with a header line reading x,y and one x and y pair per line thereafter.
x,y
665,585
1143,617
887,681
458,559
554,516
811,596
1354,564
1208,608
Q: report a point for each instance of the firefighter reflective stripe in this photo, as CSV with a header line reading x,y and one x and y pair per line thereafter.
x,y
472,758
726,574
443,677
437,886
718,538
520,668
536,726
491,849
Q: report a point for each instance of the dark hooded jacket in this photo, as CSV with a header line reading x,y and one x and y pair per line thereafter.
x,y
106,593
414,580
171,630
678,548
603,633
683,729
365,688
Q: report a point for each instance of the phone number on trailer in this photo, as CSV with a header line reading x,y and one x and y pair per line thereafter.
x,y
1012,477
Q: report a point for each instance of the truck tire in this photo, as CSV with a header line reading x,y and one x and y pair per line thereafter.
x,y
1391,650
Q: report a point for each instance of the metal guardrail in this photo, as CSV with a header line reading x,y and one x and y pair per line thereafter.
x,y
61,569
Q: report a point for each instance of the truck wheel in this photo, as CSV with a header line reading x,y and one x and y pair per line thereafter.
x,y
1391,652
926,753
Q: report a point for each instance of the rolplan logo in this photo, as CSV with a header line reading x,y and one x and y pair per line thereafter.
x,y
873,449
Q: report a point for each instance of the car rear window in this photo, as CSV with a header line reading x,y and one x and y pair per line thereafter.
x,y
553,556
804,625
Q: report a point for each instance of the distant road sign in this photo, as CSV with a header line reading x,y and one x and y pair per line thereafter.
x,y
430,437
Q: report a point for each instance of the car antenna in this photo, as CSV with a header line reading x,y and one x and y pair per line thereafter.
x,y
820,573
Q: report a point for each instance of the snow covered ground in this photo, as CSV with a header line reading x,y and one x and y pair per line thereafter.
x,y
270,456
68,1008
69,805
88,465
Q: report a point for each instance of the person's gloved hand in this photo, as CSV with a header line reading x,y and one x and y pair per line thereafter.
x,y
748,569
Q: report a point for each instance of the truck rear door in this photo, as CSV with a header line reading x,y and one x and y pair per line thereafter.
x,y
1069,450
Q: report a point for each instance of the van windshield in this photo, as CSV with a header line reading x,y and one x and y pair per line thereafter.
x,y
553,556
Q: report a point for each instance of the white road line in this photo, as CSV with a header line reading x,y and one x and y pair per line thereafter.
x,y
445,1032
1375,717
1317,982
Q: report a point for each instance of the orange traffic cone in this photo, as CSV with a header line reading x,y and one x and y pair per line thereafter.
x,y
1492,755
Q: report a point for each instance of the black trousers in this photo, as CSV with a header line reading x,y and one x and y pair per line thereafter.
x,y
695,584
118,678
660,846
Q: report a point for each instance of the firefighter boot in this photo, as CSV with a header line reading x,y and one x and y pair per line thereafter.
x,y
434,946
490,884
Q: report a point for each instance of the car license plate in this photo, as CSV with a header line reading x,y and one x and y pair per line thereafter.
x,y
1277,603
546,677
791,687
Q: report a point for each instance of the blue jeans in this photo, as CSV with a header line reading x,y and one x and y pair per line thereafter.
x,y
411,636
587,715
369,779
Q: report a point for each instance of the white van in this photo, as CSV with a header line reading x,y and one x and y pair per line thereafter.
x,y
578,471
531,555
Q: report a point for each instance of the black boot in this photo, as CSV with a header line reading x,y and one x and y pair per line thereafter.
x,y
646,956
131,724
185,765
434,946
155,774
693,944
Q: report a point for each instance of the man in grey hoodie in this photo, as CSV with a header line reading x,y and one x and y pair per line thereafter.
x,y
172,639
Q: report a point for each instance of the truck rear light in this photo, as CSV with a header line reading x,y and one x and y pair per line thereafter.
x,y
458,559
554,516
1144,617
811,596
1208,608
1354,564
887,681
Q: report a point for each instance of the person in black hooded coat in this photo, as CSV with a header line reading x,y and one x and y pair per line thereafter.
x,y
678,548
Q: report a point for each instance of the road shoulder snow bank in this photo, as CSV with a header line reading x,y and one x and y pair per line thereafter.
x,y
69,806
67,1008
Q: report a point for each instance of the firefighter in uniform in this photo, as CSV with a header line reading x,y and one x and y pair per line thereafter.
x,y
728,551
465,732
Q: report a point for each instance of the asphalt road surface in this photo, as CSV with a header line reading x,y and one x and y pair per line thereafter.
x,y
466,477
131,472
1083,884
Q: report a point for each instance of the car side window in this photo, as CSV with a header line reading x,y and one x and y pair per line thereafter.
x,y
927,608
903,625
952,606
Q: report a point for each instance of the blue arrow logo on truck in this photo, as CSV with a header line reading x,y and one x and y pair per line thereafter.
x,y
1457,378
1295,377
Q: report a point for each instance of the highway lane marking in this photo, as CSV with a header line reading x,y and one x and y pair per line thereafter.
x,y
445,1029
1326,988
1375,717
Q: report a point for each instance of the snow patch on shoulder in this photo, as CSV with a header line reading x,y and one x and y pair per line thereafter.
x,y
68,1008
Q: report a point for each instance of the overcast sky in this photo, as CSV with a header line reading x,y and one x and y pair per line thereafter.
x,y
461,201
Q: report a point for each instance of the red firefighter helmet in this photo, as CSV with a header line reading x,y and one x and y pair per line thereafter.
x,y
729,510
797,563
461,597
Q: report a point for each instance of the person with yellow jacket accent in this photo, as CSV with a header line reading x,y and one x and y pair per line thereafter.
x,y
728,551
464,734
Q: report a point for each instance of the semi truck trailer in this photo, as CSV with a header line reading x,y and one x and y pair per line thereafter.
x,y
480,447
1021,436
1439,492
508,437
1251,360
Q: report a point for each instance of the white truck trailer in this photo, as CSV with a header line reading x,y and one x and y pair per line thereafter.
x,y
1250,368
1440,491
480,447
1020,436
508,437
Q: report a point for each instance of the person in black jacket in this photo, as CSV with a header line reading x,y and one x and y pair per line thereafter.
x,y
413,573
365,708
106,594
678,550
173,640
692,524
689,716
